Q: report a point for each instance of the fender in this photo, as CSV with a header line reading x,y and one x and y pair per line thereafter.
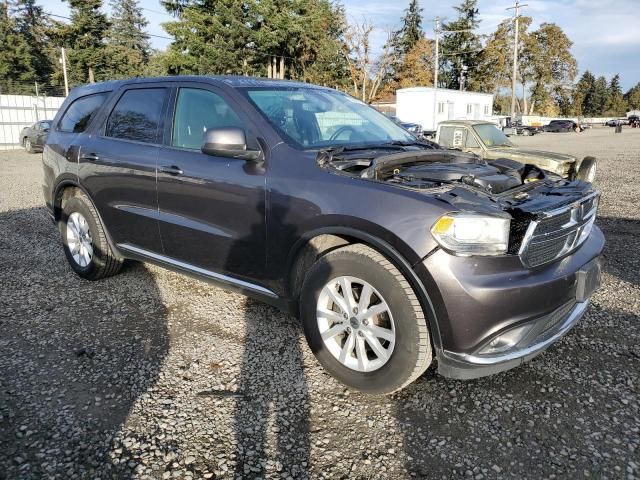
x,y
56,211
396,258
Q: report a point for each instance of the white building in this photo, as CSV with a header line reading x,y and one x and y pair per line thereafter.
x,y
430,106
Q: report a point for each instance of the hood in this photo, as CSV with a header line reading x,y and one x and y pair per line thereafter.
x,y
526,155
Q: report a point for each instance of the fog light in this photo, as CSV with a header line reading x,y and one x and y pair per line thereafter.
x,y
505,341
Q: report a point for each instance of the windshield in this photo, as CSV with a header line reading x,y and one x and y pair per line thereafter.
x,y
313,118
491,136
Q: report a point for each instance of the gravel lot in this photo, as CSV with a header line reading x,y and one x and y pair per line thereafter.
x,y
151,374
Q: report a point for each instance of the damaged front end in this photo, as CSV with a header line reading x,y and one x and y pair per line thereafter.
x,y
501,207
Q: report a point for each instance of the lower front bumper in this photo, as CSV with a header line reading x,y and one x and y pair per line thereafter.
x,y
467,366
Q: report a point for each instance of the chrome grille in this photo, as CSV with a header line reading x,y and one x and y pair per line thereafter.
x,y
558,232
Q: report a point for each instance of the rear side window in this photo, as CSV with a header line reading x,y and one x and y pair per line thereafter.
x,y
137,115
80,113
196,112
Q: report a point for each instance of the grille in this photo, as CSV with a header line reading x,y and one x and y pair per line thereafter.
x,y
558,233
557,316
553,224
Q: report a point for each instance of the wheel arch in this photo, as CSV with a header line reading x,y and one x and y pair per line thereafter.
x,y
317,243
62,191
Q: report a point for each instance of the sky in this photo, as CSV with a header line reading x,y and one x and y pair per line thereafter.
x,y
604,33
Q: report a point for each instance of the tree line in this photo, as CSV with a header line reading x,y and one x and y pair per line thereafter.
x,y
317,44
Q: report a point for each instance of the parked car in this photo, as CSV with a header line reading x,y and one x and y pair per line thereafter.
x,y
633,121
33,138
414,128
562,126
393,253
526,130
616,121
487,141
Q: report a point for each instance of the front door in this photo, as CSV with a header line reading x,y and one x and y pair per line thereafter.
x,y
117,166
211,209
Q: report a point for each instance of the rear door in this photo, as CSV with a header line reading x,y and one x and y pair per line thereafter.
x,y
118,165
211,209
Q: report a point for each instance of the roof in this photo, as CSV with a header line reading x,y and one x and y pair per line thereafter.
x,y
233,81
467,122
441,90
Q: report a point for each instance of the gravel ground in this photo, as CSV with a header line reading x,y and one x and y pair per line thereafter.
x,y
151,374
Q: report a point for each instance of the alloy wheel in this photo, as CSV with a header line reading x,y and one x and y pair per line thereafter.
x,y
355,323
79,239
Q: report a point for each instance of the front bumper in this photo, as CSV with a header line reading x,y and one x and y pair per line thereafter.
x,y
481,298
466,366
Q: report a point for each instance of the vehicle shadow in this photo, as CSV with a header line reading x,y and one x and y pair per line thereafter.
x,y
272,409
75,355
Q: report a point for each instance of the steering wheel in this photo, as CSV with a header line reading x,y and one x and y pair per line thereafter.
x,y
341,130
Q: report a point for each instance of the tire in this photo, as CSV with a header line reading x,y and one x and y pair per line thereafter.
x,y
79,213
525,132
587,169
28,146
407,355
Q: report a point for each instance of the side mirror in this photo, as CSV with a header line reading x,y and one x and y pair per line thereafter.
x,y
228,142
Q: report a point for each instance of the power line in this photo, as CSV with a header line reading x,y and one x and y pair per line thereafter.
x,y
146,33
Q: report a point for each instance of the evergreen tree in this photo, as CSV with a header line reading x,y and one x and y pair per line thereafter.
x,y
411,31
211,37
600,96
84,38
462,47
240,36
632,97
583,97
128,46
616,105
16,69
39,33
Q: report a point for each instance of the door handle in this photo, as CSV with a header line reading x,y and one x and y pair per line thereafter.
x,y
171,170
89,157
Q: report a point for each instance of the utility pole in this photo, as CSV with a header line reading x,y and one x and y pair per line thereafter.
x,y
436,68
64,72
516,9
436,33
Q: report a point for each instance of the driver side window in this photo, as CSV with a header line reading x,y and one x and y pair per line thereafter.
x,y
196,112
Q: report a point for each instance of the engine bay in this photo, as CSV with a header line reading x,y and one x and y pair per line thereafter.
x,y
423,169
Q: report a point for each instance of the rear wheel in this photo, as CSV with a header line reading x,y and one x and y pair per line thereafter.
x,y
84,240
363,321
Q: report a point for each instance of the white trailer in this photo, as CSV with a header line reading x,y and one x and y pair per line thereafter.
x,y
430,106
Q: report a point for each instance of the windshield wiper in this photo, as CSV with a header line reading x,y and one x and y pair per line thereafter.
x,y
414,143
364,146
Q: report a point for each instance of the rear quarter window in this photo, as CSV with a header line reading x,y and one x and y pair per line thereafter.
x,y
82,110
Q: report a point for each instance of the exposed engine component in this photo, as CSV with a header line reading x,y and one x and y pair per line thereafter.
x,y
426,169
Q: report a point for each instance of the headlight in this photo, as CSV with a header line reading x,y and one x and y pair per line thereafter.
x,y
472,234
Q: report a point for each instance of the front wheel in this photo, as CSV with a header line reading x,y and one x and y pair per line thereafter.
x,y
363,321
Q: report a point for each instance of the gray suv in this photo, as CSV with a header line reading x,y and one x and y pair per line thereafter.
x,y
393,252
